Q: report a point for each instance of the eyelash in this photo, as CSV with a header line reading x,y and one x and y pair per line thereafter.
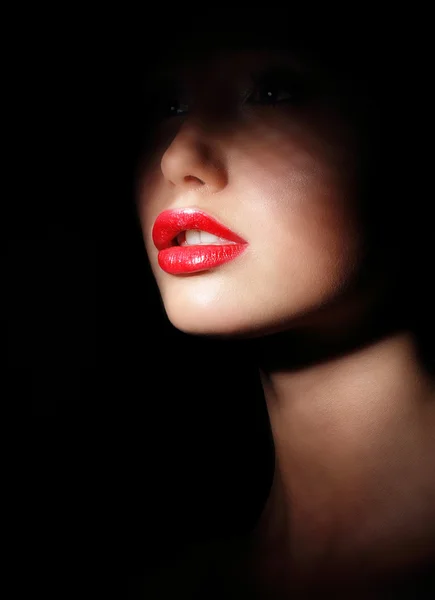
x,y
265,91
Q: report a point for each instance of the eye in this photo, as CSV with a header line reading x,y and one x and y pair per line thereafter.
x,y
176,108
169,100
270,95
275,87
171,106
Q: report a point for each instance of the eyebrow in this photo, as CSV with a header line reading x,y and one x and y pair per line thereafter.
x,y
179,75
277,71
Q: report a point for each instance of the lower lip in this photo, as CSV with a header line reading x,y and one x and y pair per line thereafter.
x,y
178,260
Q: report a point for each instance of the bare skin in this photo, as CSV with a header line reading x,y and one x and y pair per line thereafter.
x,y
354,493
350,402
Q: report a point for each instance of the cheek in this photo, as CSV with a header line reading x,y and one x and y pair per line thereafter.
x,y
302,198
298,183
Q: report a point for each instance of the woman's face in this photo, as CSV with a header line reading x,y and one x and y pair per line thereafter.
x,y
261,145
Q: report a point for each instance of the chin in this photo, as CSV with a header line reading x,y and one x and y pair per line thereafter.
x,y
215,305
233,319
205,321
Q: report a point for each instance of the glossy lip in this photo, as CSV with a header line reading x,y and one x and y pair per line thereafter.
x,y
170,223
175,259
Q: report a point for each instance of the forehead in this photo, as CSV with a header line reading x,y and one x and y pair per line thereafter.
x,y
225,64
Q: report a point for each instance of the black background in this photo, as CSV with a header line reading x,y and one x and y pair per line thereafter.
x,y
142,439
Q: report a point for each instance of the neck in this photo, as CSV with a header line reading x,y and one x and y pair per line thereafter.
x,y
354,446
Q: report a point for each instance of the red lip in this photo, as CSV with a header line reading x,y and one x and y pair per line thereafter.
x,y
175,259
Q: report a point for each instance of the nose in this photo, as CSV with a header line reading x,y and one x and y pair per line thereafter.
x,y
194,159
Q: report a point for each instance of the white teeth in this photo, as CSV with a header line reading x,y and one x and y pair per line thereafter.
x,y
195,237
208,238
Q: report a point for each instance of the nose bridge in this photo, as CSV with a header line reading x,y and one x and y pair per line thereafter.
x,y
195,156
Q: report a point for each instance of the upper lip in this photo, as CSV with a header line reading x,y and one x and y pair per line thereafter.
x,y
170,223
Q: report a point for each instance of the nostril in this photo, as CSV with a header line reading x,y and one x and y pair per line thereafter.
x,y
192,178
